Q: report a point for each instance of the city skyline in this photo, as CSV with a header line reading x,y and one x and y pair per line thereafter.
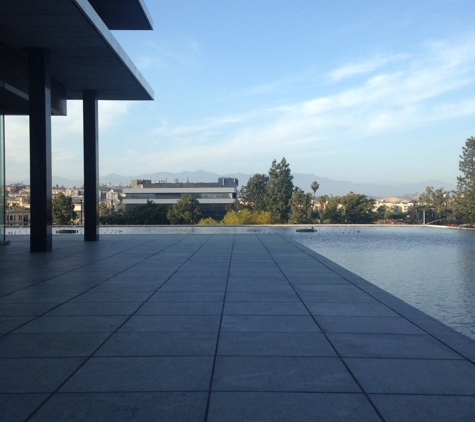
x,y
367,92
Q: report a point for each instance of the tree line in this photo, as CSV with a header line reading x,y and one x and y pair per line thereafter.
x,y
452,207
272,198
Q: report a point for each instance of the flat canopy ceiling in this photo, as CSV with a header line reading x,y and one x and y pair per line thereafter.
x,y
123,14
84,54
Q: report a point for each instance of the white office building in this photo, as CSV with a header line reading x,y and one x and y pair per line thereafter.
x,y
213,197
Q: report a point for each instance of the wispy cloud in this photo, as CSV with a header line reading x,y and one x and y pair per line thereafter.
x,y
161,53
66,135
396,94
430,88
364,66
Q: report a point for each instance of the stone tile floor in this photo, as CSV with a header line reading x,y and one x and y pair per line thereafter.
x,y
216,328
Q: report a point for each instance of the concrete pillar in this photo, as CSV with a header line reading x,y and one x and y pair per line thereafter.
x,y
91,166
40,150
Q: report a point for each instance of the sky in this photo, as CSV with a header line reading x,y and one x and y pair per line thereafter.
x,y
368,91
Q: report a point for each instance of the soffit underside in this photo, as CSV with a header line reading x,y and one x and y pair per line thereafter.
x,y
123,14
84,54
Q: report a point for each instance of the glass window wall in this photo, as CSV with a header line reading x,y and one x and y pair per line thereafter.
x,y
2,177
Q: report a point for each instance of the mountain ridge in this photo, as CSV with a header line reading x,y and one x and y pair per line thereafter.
x,y
302,180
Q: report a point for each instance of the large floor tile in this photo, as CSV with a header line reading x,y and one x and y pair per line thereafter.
x,y
350,309
284,407
35,375
108,407
417,408
193,287
8,323
24,296
259,286
337,297
113,296
304,374
192,278
181,308
414,376
264,308
391,346
50,344
274,344
127,374
25,309
269,323
160,344
17,407
73,324
171,323
262,297
364,324
95,308
161,296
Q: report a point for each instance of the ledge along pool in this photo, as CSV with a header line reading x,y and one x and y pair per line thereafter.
x,y
432,269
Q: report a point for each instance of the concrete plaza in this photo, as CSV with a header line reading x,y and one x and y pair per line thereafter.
x,y
216,328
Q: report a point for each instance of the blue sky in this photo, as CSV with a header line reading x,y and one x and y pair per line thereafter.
x,y
363,91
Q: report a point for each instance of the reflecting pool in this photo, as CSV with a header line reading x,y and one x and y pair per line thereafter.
x,y
432,269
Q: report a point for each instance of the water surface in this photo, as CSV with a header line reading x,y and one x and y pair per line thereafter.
x,y
432,269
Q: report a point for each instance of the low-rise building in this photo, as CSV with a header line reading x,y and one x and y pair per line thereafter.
x,y
396,204
17,216
213,197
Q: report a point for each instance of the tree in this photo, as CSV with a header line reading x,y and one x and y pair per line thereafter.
x,y
466,182
314,186
352,208
63,210
245,216
148,214
104,211
279,191
207,222
333,212
434,199
358,209
252,195
185,211
322,203
301,210
382,211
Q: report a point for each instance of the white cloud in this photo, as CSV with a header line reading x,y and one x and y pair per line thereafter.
x,y
66,139
161,53
423,90
430,88
364,66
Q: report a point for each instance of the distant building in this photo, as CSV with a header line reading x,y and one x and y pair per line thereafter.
x,y
213,197
112,199
17,216
396,205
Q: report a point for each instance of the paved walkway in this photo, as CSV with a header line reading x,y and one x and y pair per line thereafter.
x,y
216,328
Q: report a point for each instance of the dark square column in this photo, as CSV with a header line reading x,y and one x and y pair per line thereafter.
x,y
40,150
91,166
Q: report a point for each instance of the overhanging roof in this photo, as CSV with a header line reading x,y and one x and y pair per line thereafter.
x,y
123,14
84,54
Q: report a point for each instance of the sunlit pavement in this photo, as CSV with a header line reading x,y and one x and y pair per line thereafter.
x,y
216,328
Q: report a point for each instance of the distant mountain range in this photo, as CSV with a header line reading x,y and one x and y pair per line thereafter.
x,y
327,186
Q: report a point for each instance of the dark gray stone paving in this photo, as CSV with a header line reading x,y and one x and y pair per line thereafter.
x,y
115,407
283,407
216,328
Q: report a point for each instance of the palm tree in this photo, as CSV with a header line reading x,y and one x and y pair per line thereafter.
x,y
314,186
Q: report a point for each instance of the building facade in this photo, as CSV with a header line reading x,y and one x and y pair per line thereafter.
x,y
214,198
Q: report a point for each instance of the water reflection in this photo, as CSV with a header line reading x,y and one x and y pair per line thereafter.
x,y
432,269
